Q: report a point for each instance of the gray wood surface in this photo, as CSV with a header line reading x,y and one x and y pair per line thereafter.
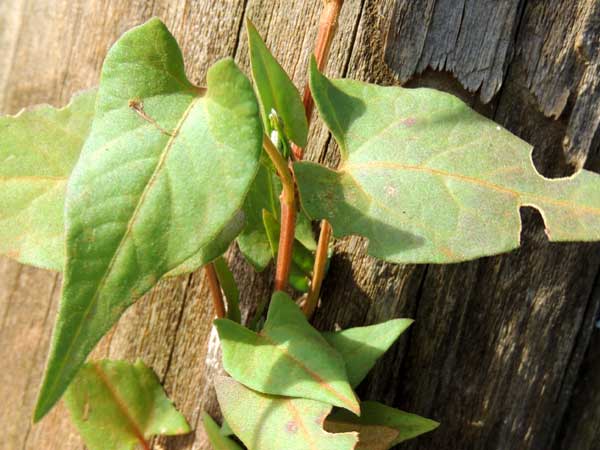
x,y
502,352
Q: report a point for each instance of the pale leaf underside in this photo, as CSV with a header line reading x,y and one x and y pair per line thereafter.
x,y
428,180
268,422
38,150
288,357
380,427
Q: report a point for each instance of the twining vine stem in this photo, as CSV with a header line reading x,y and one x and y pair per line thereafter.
x,y
327,27
215,290
288,214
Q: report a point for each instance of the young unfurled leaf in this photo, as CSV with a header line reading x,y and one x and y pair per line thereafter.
x,y
230,289
428,180
38,149
288,357
275,90
361,347
217,439
164,170
379,426
268,422
117,405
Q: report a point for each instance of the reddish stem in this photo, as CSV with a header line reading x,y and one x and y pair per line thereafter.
x,y
215,290
327,27
288,215
319,267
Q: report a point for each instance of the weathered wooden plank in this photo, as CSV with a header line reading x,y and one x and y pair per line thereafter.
x,y
474,40
580,429
497,343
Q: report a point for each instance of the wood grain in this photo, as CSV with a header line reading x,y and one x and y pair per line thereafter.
x,y
500,352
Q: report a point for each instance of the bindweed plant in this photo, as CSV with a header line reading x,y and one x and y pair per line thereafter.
x,y
150,176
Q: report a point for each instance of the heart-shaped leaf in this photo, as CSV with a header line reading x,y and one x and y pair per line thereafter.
x,y
288,357
361,347
429,180
38,150
379,426
117,405
164,170
217,439
268,422
275,90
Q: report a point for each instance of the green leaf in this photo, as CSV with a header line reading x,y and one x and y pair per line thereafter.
x,y
428,180
267,422
216,438
213,249
229,286
304,231
275,90
380,427
116,405
361,347
164,170
288,357
38,149
226,429
252,241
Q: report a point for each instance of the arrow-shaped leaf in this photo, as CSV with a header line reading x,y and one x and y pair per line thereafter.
x,y
288,357
379,426
361,347
38,149
268,422
428,180
117,405
165,168
216,437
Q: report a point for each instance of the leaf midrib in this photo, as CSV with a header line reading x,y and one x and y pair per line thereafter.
x,y
121,404
348,402
132,220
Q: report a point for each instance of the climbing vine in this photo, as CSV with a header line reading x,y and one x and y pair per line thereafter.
x,y
149,176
